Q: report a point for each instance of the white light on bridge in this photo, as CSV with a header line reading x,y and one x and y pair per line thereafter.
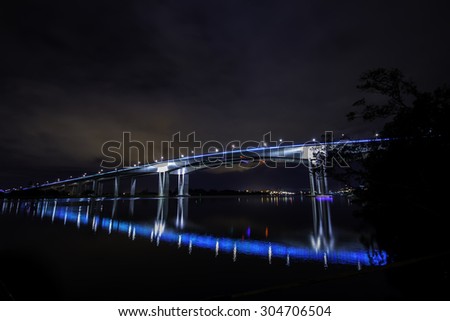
x,y
376,135
182,155
217,150
314,139
281,140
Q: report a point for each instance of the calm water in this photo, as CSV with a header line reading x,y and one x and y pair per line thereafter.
x,y
187,248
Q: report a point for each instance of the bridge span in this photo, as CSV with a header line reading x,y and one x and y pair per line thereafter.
x,y
313,155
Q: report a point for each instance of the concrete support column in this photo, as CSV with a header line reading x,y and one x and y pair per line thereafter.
x,y
312,180
133,187
94,186
79,188
163,184
116,186
325,181
318,182
183,184
99,188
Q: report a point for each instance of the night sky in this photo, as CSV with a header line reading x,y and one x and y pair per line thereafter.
x,y
74,74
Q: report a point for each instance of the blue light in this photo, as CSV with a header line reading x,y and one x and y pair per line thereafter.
x,y
227,245
326,198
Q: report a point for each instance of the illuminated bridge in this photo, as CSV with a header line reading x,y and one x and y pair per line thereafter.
x,y
312,155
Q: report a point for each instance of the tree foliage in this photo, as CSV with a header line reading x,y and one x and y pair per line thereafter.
x,y
404,179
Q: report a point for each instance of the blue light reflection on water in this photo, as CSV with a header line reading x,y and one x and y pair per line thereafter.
x,y
227,245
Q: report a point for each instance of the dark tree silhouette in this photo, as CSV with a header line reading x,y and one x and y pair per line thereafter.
x,y
406,179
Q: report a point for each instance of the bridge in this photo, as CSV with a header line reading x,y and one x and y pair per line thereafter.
x,y
313,155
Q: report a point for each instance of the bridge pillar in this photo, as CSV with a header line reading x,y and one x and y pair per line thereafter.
x,y
316,168
133,186
163,184
99,190
319,181
325,181
311,179
183,184
94,186
116,186
79,189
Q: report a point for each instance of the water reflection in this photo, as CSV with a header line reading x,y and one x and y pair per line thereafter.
x,y
89,213
322,237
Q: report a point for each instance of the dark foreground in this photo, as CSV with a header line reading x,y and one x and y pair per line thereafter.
x,y
240,248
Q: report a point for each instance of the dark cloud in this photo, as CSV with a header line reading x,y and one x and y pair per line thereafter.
x,y
74,74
